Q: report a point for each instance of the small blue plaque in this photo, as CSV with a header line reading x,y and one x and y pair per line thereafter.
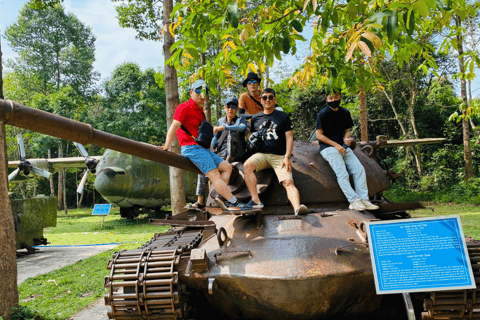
x,y
101,209
416,255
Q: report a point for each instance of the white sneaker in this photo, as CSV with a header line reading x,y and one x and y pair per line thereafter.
x,y
357,205
369,206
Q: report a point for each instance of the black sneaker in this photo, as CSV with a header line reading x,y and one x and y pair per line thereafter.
x,y
237,206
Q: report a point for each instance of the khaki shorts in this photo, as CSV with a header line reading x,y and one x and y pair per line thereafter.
x,y
267,160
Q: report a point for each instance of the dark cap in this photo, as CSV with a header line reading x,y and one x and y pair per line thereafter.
x,y
231,100
251,76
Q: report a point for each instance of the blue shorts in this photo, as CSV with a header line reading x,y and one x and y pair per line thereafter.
x,y
203,159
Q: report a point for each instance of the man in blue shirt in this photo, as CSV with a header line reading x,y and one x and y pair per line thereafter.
x,y
333,132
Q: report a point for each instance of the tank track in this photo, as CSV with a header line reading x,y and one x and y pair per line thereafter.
x,y
459,304
143,283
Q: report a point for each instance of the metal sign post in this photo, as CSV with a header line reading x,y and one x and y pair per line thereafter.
x,y
101,210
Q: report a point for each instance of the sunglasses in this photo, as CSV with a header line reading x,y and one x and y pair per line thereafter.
x,y
265,98
232,106
199,90
252,81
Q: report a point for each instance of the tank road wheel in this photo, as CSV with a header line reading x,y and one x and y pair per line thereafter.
x,y
130,212
144,283
460,304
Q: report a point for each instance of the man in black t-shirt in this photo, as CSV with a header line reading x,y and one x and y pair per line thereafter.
x,y
275,151
333,132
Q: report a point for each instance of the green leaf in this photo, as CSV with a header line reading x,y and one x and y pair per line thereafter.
x,y
286,44
233,14
431,3
381,15
298,37
335,17
325,19
193,52
334,72
410,21
440,5
297,25
392,26
234,58
422,8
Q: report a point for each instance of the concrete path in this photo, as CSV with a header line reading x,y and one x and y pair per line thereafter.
x,y
50,258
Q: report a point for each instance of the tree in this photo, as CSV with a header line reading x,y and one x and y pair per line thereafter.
x,y
54,46
151,21
134,105
8,258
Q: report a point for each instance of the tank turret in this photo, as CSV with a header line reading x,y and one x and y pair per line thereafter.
x,y
267,264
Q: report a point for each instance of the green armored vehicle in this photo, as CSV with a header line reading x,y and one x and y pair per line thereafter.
x,y
31,216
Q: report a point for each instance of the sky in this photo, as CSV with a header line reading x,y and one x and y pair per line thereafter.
x,y
115,45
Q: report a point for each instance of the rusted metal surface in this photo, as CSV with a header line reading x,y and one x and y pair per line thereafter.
x,y
143,283
17,115
459,304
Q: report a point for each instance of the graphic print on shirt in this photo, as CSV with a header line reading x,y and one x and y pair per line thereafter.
x,y
271,131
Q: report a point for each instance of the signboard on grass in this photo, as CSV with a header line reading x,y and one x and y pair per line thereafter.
x,y
417,255
101,209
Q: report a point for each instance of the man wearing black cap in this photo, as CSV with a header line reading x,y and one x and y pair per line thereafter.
x,y
228,143
250,101
190,114
333,132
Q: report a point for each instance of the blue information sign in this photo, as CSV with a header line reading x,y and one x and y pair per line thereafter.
x,y
426,254
101,209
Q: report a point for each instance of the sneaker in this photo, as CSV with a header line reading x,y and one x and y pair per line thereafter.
x,y
221,202
302,209
237,206
357,205
369,206
196,205
254,205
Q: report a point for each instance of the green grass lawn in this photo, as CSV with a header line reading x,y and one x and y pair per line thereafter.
x,y
80,227
469,215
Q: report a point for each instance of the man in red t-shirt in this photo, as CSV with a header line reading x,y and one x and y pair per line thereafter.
x,y
217,170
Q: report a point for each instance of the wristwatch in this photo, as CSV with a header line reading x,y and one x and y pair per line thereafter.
x,y
289,156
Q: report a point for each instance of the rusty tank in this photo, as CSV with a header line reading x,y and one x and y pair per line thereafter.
x,y
267,264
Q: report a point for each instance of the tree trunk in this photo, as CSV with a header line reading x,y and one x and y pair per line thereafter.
x,y
8,253
206,105
65,206
60,180
467,153
267,73
219,103
177,190
8,256
363,114
52,187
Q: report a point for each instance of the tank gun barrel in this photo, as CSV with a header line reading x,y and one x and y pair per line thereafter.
x,y
20,116
382,142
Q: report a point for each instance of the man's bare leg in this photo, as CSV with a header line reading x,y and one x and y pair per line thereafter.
x,y
292,193
225,169
218,183
251,180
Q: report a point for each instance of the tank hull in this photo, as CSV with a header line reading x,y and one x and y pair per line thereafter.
x,y
305,268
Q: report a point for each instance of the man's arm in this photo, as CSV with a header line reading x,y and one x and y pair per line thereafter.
x,y
324,139
171,134
346,137
286,161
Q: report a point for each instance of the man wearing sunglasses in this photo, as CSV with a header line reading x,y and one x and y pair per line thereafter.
x,y
333,132
275,152
249,102
217,170
228,143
